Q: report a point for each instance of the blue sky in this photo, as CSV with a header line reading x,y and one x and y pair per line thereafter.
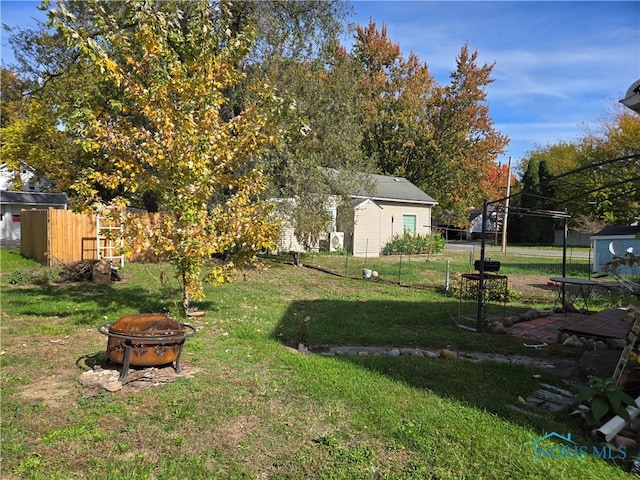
x,y
559,66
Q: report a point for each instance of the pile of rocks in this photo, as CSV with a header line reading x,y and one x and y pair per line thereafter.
x,y
107,378
589,343
500,326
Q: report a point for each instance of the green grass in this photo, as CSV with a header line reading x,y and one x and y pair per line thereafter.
x,y
258,409
425,269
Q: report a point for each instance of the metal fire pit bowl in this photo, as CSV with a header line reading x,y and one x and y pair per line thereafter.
x,y
145,340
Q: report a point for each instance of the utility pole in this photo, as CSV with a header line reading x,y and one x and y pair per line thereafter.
x,y
506,209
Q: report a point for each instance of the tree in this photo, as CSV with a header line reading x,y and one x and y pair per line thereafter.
x,y
171,64
11,112
529,201
597,177
297,50
439,137
61,87
326,137
548,202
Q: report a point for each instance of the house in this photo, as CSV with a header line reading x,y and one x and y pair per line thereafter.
x,y
616,241
391,206
12,203
30,182
474,231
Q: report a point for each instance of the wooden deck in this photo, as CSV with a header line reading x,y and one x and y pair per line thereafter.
x,y
608,323
605,324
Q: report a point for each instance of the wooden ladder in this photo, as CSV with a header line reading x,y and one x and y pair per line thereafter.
x,y
632,336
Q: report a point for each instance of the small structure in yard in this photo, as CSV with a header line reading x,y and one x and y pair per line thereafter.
x,y
495,295
392,207
616,241
13,203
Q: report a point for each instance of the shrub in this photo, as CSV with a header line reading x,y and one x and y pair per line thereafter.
x,y
407,244
605,398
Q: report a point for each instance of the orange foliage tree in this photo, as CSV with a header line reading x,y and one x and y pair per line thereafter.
x,y
440,137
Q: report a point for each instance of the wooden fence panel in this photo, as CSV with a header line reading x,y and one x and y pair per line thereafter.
x,y
66,233
34,240
55,236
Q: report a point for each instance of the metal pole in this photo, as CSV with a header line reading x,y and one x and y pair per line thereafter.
x,y
480,310
446,281
346,262
564,257
506,209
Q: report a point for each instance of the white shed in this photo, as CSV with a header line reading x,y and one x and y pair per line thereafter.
x,y
12,203
616,241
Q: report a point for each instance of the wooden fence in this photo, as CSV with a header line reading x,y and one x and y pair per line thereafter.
x,y
55,236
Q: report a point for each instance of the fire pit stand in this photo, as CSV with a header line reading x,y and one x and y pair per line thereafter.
x,y
146,340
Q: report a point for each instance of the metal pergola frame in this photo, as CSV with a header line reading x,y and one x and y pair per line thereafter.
x,y
480,315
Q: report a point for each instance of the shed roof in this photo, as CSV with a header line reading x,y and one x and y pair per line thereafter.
x,y
397,189
33,198
618,230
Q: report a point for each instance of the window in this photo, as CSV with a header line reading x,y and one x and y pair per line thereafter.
x,y
409,224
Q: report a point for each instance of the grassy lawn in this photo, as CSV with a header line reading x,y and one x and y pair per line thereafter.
x,y
258,409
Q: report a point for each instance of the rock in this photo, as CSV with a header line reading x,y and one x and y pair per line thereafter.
x,y
600,345
430,354
563,337
572,341
620,441
616,343
394,352
448,354
413,352
587,342
497,327
507,322
108,380
539,313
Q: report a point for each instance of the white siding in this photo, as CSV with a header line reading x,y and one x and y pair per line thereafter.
x,y
391,219
366,230
9,229
288,241
602,252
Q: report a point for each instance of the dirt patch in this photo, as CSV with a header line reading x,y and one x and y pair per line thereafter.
x,y
53,391
57,390
532,287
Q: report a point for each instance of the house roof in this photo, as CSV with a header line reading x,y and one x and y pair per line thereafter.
x,y
32,198
618,230
394,189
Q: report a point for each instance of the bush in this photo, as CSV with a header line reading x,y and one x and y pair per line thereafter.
x,y
494,291
407,244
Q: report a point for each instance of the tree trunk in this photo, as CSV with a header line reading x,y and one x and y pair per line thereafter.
x,y
185,295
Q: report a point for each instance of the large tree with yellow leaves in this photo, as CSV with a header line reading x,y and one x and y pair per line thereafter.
x,y
166,131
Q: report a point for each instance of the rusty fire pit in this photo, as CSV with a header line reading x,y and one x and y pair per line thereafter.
x,y
145,340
